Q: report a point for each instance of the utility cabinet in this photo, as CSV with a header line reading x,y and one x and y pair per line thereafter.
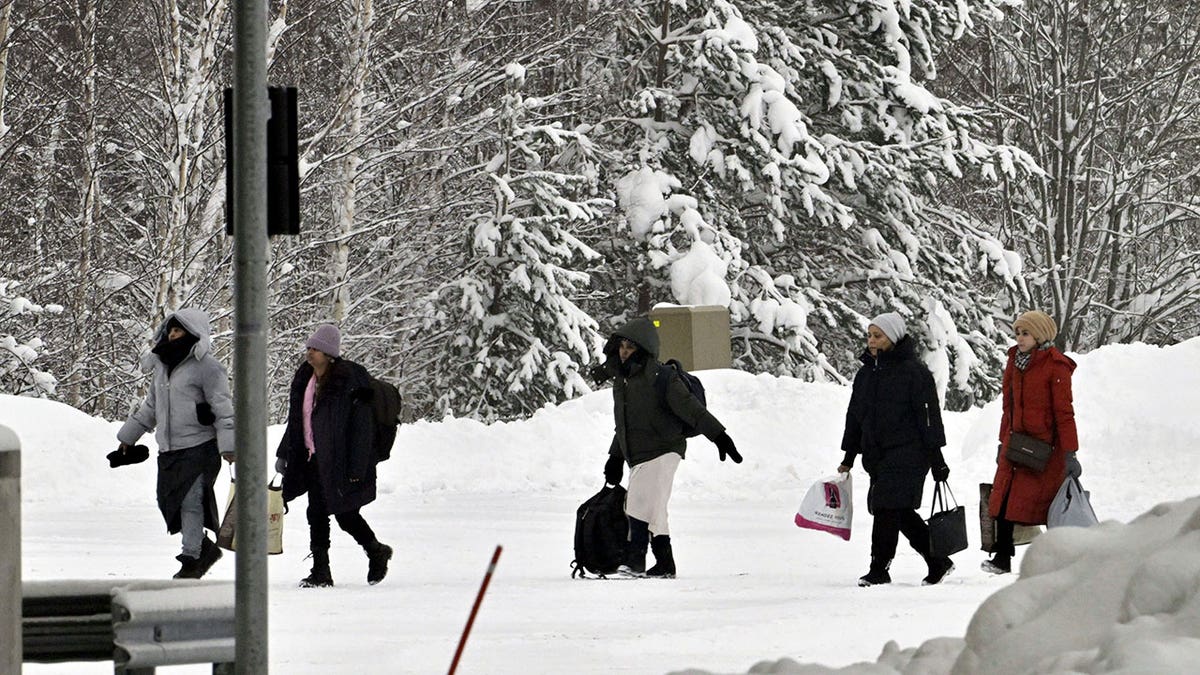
x,y
697,336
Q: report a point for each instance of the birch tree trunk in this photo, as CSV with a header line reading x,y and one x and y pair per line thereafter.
x,y
359,26
84,300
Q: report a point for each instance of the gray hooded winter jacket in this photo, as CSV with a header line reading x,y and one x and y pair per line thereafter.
x,y
170,405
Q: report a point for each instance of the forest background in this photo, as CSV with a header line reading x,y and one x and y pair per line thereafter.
x,y
489,186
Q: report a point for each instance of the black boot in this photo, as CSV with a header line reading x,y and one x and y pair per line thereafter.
x,y
320,576
377,567
187,567
999,564
664,559
878,574
635,552
939,568
194,568
210,553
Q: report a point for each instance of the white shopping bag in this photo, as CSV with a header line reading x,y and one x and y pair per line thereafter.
x,y
828,506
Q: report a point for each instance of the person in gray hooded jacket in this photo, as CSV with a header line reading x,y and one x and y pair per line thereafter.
x,y
190,409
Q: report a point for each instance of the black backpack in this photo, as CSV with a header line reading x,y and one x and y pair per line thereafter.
x,y
693,384
385,410
601,531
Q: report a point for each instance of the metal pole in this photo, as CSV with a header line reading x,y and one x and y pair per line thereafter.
x,y
10,551
250,334
487,578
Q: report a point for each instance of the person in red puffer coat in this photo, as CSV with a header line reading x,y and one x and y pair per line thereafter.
x,y
1037,402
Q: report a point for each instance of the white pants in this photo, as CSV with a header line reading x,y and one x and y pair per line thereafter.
x,y
650,490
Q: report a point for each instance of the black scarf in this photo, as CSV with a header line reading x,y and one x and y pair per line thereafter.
x,y
636,359
173,352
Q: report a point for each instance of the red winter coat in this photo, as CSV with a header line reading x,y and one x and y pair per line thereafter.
x,y
1037,402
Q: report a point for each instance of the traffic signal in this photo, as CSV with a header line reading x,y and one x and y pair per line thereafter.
x,y
283,171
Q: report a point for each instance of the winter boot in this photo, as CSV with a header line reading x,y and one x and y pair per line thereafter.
x,y
635,563
635,553
877,575
320,576
664,560
187,567
378,556
939,568
210,553
999,564
194,568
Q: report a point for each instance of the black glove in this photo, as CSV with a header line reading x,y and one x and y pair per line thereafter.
x,y
614,468
941,472
600,373
126,454
725,447
280,464
204,414
1073,468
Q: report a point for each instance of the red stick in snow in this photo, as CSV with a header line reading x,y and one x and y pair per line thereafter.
x,y
487,578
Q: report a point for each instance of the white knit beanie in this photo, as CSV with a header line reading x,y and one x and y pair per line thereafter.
x,y
892,325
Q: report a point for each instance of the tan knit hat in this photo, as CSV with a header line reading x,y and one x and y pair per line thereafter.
x,y
1039,325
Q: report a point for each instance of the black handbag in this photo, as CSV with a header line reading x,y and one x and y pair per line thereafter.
x,y
948,526
1027,451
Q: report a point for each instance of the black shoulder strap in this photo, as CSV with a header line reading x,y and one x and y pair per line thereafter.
x,y
662,379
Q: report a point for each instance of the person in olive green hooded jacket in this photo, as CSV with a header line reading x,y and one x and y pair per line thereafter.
x,y
649,436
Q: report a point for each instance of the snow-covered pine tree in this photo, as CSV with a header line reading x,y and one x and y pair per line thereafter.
x,y
515,337
814,154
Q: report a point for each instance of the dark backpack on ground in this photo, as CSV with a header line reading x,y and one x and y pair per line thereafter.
x,y
693,384
601,531
385,410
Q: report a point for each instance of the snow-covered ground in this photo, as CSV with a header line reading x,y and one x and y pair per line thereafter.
x,y
753,588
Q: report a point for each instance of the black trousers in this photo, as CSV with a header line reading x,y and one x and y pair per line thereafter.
x,y
351,522
886,530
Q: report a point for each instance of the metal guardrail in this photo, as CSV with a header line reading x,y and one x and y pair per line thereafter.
x,y
169,626
62,627
137,624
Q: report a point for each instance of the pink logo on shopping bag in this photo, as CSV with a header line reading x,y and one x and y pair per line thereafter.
x,y
833,496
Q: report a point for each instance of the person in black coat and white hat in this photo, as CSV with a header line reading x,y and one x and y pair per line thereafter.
x,y
328,451
895,423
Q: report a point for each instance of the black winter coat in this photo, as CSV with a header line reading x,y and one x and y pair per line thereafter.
x,y
343,433
895,423
648,424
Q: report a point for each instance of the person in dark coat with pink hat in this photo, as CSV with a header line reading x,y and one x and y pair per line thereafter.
x,y
328,451
895,422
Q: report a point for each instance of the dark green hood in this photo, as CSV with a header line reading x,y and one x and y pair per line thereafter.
x,y
641,331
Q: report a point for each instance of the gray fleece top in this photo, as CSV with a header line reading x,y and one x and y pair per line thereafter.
x,y
170,406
